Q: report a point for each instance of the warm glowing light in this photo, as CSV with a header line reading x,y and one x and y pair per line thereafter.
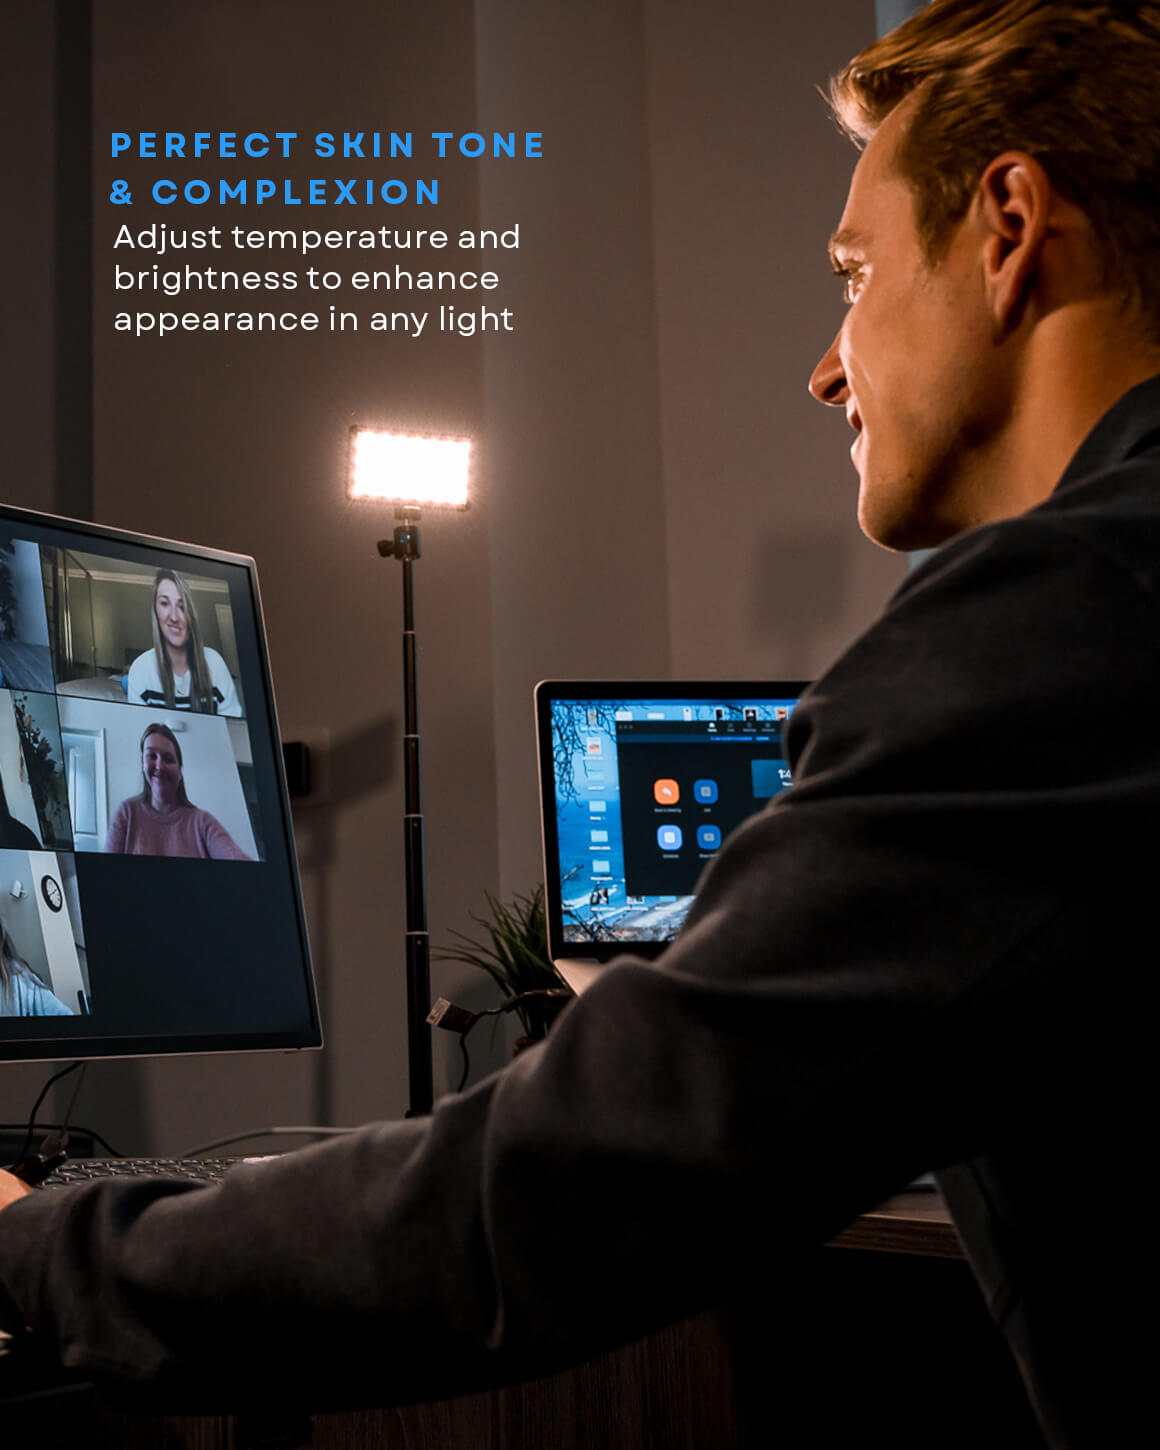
x,y
402,468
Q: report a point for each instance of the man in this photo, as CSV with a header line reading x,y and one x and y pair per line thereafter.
x,y
924,956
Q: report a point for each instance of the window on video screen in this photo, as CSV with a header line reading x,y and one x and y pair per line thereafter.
x,y
129,795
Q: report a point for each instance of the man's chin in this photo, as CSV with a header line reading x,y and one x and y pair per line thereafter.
x,y
899,529
901,541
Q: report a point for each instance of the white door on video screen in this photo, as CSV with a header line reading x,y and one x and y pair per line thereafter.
x,y
88,800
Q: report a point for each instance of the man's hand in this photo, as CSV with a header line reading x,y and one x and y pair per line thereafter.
x,y
11,1189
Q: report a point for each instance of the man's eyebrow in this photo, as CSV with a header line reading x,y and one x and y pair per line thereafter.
x,y
845,239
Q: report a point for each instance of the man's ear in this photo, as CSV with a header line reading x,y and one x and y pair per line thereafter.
x,y
1014,202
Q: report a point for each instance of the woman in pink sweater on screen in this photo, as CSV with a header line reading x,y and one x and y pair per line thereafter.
x,y
162,821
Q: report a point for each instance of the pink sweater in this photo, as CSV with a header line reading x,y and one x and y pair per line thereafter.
x,y
138,830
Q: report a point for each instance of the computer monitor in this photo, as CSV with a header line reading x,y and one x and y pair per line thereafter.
x,y
149,895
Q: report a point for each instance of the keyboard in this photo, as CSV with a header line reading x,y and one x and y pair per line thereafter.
x,y
197,1170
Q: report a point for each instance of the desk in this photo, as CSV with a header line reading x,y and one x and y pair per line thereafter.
x,y
916,1222
887,1337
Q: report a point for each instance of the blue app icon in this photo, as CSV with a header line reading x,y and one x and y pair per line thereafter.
x,y
708,837
705,792
669,838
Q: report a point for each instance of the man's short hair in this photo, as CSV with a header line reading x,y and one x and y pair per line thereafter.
x,y
1073,83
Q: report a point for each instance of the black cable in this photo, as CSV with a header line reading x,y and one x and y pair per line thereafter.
x,y
58,1139
264,1133
466,1059
458,1019
56,1077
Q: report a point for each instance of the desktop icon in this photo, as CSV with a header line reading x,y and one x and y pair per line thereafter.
x,y
708,837
705,792
666,792
670,838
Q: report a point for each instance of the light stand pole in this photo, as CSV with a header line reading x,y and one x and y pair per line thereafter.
x,y
412,471
404,546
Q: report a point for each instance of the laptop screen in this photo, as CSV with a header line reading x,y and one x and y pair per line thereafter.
x,y
149,899
640,784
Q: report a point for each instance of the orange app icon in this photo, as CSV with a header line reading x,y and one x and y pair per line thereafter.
x,y
667,792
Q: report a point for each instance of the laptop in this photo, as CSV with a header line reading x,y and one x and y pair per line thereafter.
x,y
640,783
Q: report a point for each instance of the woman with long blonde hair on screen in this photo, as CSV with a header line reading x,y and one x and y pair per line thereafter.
x,y
180,672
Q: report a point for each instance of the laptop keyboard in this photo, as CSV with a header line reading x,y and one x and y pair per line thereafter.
x,y
84,1170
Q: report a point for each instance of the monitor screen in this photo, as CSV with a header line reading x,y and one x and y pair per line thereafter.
x,y
640,784
149,897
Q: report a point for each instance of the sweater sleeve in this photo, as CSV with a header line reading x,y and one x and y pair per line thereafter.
x,y
216,841
117,839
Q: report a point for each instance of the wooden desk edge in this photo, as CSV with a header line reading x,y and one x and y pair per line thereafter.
x,y
909,1223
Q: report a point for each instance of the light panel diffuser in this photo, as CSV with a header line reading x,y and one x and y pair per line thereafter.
x,y
409,469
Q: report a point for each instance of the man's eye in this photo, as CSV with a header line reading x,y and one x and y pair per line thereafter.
x,y
849,272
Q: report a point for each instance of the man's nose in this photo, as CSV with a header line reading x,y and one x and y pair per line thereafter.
x,y
828,380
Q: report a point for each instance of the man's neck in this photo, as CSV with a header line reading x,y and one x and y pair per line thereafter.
x,y
1080,363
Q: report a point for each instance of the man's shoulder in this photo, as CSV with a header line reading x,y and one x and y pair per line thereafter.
x,y
994,647
1114,511
1101,523
1108,500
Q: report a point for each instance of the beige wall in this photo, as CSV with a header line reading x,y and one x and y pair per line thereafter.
x,y
656,494
769,576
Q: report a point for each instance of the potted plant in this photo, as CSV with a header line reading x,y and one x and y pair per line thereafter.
x,y
514,954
